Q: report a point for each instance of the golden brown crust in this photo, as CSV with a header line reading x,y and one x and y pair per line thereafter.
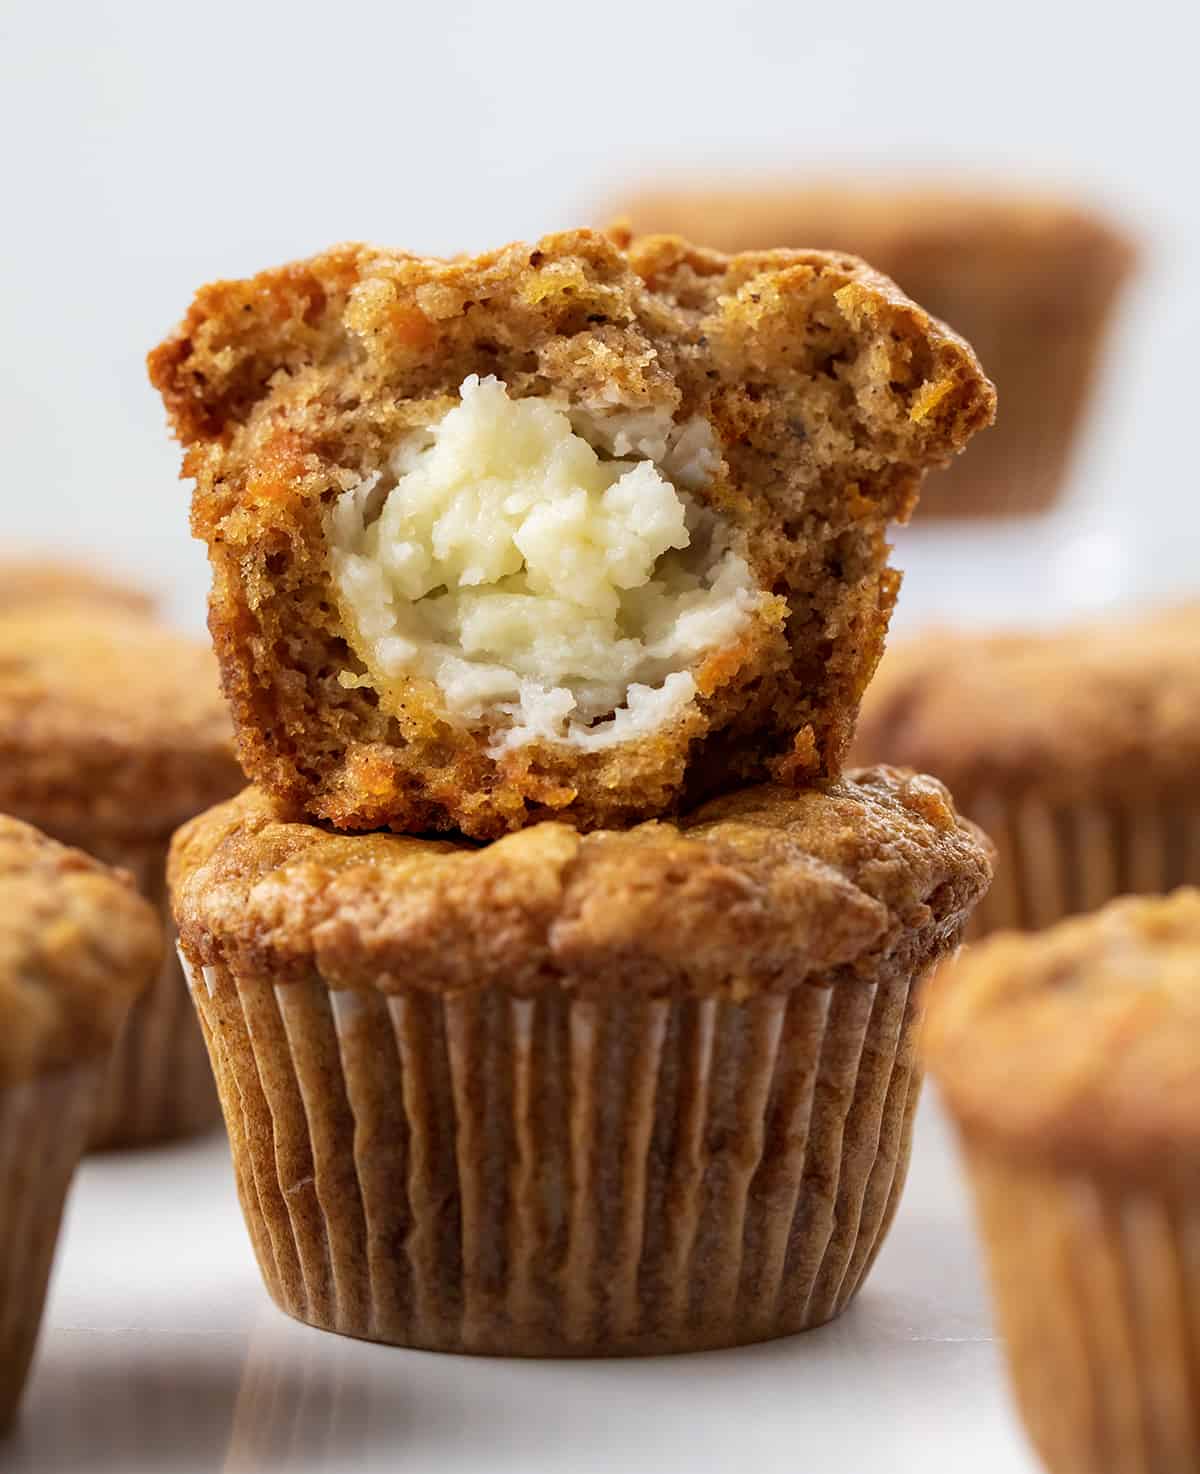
x,y
829,393
51,581
760,890
1080,1046
1030,281
77,945
1097,710
109,724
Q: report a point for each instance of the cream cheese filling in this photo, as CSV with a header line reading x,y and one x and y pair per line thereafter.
x,y
551,593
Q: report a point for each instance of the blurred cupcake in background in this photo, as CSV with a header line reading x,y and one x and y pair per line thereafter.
x,y
1070,1061
112,733
1077,751
28,579
77,946
1030,281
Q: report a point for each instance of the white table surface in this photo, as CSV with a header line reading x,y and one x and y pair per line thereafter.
x,y
161,1354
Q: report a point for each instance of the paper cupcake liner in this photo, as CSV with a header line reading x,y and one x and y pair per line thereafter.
x,y
160,1084
44,1125
1057,860
1097,1292
561,1175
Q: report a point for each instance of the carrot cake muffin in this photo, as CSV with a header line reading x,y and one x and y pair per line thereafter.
x,y
1030,281
563,531
1077,751
25,580
565,1094
112,732
1071,1062
77,945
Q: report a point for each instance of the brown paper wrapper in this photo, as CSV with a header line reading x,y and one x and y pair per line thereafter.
x,y
44,1125
559,1175
160,1084
1057,860
1097,1291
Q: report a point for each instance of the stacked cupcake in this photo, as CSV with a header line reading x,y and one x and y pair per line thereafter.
x,y
560,989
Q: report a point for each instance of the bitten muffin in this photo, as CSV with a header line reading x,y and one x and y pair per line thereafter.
x,y
1030,281
563,531
26,580
1077,751
77,946
112,732
1071,1062
622,1092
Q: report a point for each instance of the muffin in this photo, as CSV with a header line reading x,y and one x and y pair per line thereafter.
x,y
624,1092
112,732
1071,1062
1031,282
1077,751
28,580
77,945
563,532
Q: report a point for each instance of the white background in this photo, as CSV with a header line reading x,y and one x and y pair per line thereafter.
x,y
148,147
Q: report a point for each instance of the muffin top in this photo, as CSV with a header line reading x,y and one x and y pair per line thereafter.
x,y
77,945
757,891
49,581
109,723
1080,1045
1099,708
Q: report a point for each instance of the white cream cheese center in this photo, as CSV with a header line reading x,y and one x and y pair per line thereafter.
x,y
550,594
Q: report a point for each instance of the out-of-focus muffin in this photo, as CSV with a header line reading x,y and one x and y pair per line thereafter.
x,y
1070,1060
1030,281
32,580
77,946
112,733
1077,751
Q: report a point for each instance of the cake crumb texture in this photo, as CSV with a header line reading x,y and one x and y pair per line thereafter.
x,y
825,393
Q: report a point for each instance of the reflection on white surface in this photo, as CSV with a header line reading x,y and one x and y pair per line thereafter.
x,y
162,1355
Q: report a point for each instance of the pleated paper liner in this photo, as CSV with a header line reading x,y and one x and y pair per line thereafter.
x,y
44,1125
1056,860
563,1175
1097,1292
160,1084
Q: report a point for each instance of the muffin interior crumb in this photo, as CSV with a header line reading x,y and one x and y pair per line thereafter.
x,y
542,565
